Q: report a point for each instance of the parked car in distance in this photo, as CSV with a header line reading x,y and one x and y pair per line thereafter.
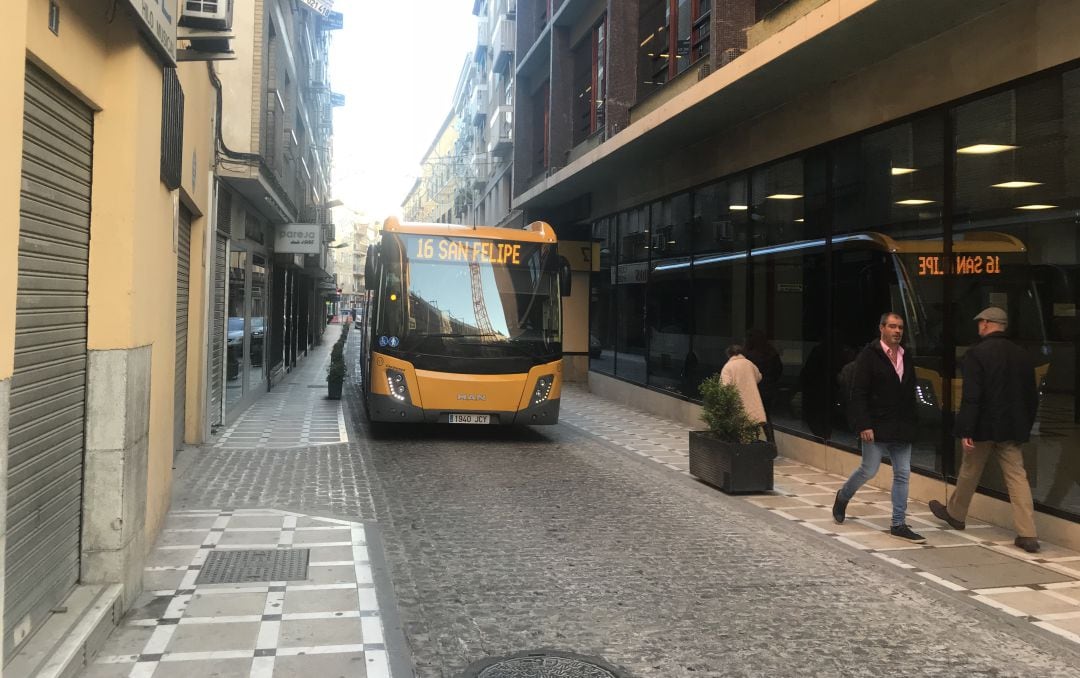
x,y
358,316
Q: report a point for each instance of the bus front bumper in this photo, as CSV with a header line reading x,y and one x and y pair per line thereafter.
x,y
386,408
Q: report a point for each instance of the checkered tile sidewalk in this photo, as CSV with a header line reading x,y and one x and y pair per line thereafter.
x,y
981,561
327,624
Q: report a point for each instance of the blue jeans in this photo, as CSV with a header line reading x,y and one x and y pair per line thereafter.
x,y
900,455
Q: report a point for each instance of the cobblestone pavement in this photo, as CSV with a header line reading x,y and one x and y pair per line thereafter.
x,y
982,562
505,540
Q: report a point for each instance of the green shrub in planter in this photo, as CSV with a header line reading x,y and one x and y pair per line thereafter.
x,y
335,377
730,455
723,412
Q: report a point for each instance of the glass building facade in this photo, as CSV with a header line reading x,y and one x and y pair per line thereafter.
x,y
935,216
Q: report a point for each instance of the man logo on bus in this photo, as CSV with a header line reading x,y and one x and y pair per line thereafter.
x,y
471,396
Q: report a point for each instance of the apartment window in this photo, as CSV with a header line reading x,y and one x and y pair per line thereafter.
x,y
588,60
673,35
540,115
653,46
700,35
172,129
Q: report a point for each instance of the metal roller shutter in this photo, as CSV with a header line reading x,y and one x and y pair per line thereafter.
x,y
217,337
183,271
45,440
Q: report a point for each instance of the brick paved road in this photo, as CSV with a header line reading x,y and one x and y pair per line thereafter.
x,y
501,541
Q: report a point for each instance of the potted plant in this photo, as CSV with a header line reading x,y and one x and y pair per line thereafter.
x,y
729,455
335,377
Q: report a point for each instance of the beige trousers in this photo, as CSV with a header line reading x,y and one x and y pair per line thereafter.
x,y
1016,481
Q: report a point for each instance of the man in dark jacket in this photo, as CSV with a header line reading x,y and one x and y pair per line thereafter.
x,y
882,410
997,411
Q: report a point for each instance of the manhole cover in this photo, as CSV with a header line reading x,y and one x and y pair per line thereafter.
x,y
542,664
239,567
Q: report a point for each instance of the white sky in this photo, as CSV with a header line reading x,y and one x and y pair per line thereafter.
x,y
397,62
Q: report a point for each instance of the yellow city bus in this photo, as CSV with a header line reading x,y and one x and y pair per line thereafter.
x,y
463,325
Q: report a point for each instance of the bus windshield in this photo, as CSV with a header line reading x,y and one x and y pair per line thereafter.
x,y
469,297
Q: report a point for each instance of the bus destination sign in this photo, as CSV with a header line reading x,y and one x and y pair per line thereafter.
x,y
470,251
965,264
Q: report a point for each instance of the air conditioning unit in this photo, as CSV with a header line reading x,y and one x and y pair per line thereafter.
x,y
209,14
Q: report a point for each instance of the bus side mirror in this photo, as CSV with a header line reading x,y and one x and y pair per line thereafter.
x,y
369,266
565,276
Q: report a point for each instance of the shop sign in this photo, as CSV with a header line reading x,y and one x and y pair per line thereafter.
x,y
297,238
334,21
157,21
322,7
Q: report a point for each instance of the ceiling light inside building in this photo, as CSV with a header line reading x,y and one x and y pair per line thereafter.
x,y
737,208
984,149
1017,184
914,201
1036,207
783,196
897,171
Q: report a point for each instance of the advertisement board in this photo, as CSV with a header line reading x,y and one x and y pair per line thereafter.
x,y
297,238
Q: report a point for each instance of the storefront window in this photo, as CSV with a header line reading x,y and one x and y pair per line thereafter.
x,y
630,277
887,249
258,318
1017,195
602,307
235,353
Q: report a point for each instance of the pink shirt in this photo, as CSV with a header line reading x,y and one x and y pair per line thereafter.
x,y
897,360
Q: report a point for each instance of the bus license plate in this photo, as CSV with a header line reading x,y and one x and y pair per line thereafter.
x,y
470,418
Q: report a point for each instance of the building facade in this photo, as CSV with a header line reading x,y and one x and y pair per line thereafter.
x,y
273,170
487,115
107,184
782,172
436,195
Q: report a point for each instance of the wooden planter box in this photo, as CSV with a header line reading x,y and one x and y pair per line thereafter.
x,y
732,467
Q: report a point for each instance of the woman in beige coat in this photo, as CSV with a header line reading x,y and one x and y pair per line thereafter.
x,y
745,375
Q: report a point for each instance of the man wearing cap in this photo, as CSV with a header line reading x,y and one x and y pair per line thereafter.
x,y
882,410
997,411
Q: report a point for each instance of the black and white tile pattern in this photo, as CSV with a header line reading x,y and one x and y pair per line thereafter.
x,y
329,621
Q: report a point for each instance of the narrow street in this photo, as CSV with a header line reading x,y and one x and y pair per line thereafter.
x,y
436,548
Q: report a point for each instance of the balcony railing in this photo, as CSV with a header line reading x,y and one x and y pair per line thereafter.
x,y
483,37
501,131
478,105
503,42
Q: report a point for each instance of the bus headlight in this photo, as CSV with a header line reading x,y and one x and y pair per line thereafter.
x,y
543,389
399,388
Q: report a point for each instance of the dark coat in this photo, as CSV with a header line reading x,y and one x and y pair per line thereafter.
x,y
771,368
1000,397
879,400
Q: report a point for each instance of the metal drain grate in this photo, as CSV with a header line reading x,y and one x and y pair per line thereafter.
x,y
239,567
542,664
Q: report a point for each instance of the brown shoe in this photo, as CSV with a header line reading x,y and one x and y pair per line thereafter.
x,y
942,514
1029,544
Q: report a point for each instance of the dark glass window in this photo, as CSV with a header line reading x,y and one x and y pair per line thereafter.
x,y
630,278
721,215
1017,247
670,310
887,189
777,207
720,308
654,44
790,296
602,309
